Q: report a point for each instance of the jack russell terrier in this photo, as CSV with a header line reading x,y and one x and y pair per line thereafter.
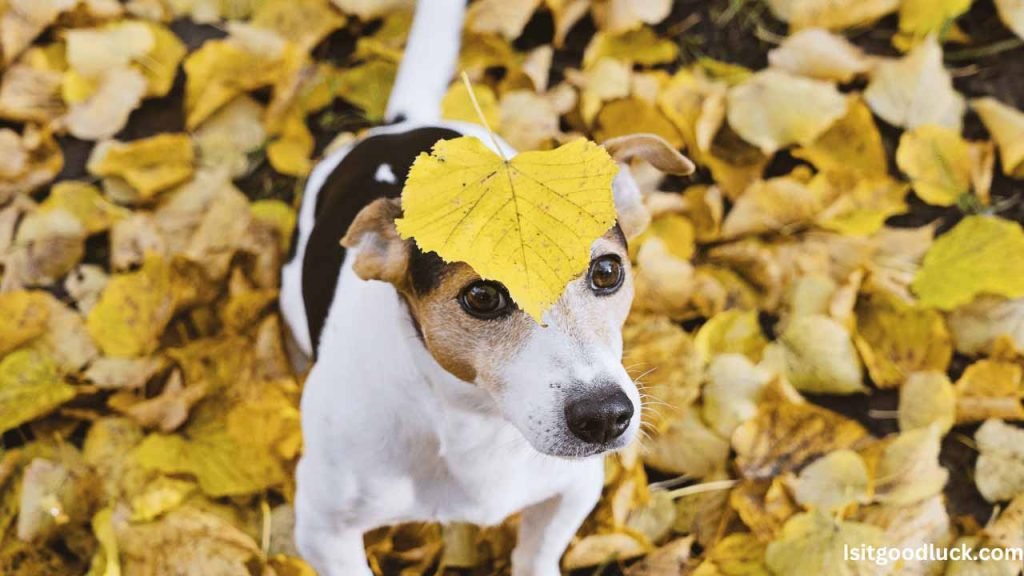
x,y
432,397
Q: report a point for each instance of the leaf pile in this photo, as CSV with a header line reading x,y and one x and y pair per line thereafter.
x,y
825,314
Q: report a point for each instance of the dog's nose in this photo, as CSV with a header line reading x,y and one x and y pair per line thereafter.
x,y
599,417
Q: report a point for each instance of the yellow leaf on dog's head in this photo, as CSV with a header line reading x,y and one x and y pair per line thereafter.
x,y
1006,125
528,222
150,166
938,162
774,109
982,254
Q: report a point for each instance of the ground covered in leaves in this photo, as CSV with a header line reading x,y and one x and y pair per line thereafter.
x,y
829,320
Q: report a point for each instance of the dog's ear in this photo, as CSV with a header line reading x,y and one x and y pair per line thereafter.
x,y
652,149
381,253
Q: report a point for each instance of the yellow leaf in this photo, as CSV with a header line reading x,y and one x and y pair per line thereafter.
x,y
25,317
774,109
367,86
916,90
816,355
978,326
776,205
93,51
133,310
812,544
785,435
24,20
230,136
919,18
732,331
150,166
927,398
106,561
606,80
632,115
1011,12
601,548
642,46
687,447
370,9
738,554
30,94
862,204
999,474
982,254
223,460
160,65
675,231
938,163
1006,125
528,222
833,482
504,17
220,70
290,153
30,387
909,469
852,144
458,106
831,14
279,216
989,389
529,121
657,342
820,54
732,392
85,202
303,22
895,338
663,282
105,112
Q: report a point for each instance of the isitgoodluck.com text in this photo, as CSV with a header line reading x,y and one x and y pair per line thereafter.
x,y
885,555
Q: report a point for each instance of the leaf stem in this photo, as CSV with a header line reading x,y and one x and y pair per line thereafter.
x,y
480,114
701,488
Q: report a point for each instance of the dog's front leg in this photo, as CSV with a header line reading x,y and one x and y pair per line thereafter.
x,y
547,528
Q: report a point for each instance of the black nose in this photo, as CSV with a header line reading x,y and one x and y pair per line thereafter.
x,y
600,416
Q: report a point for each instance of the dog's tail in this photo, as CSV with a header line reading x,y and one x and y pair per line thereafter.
x,y
431,55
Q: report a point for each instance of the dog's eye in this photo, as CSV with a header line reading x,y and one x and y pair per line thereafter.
x,y
485,300
606,274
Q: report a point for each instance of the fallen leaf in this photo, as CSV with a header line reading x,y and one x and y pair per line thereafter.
x,y
764,506
601,548
26,314
834,482
999,473
528,203
916,90
528,120
831,14
303,22
820,54
150,166
30,387
853,144
507,18
817,355
775,205
84,202
977,326
105,112
1006,125
633,115
23,20
732,392
623,15
920,18
228,138
133,310
664,362
982,254
895,338
367,86
732,331
458,106
926,399
786,435
989,389
370,9
938,163
774,109
641,46
31,94
92,52
812,543
909,470
687,447
738,554
861,204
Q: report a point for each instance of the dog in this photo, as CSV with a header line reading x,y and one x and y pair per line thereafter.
x,y
432,397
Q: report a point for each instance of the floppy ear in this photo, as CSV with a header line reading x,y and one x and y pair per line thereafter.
x,y
651,148
380,253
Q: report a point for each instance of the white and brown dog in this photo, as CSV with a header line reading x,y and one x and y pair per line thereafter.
x,y
433,397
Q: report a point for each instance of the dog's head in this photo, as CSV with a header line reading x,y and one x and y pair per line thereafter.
x,y
561,384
